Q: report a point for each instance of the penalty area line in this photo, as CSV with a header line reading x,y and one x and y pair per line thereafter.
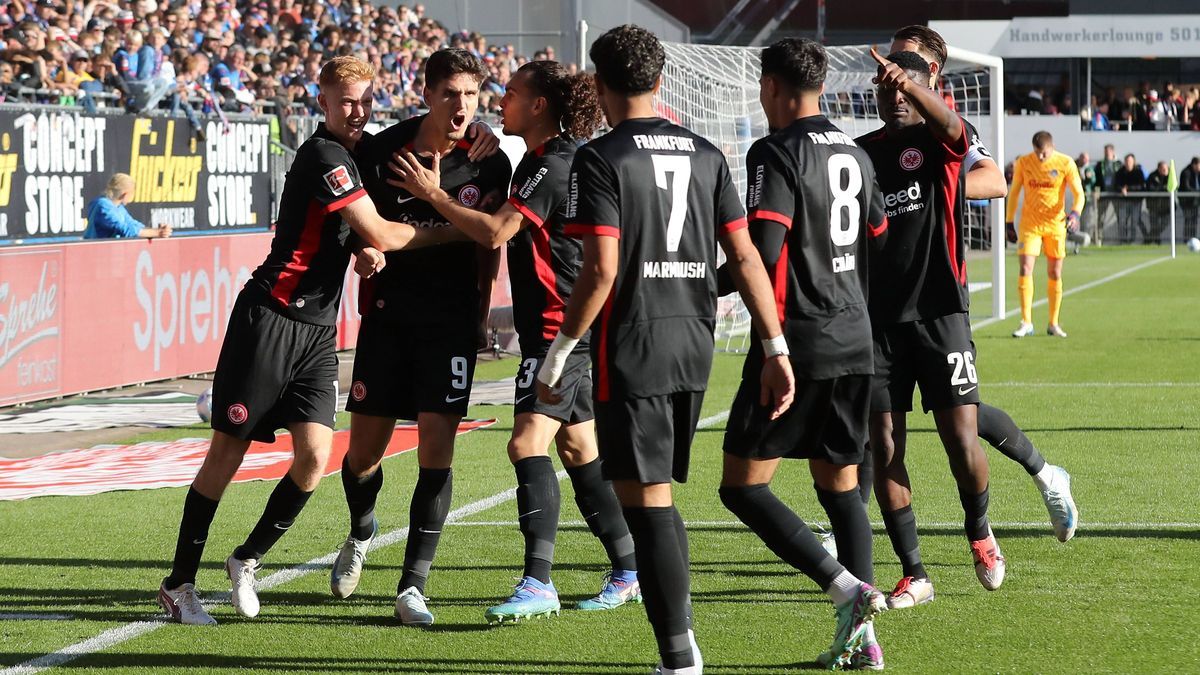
x,y
115,636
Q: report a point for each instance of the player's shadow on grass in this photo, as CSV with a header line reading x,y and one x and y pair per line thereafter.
x,y
202,662
1091,429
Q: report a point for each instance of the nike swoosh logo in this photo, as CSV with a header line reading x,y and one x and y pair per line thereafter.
x,y
452,400
523,515
197,542
401,200
964,392
425,531
280,527
523,398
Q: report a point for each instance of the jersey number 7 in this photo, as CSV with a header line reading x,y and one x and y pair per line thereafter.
x,y
680,168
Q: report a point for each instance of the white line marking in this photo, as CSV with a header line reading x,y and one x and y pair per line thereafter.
x,y
1078,289
22,616
1095,385
116,636
1012,525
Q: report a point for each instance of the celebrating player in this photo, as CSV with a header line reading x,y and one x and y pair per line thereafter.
x,y
812,206
277,366
984,180
651,200
418,339
549,109
1045,175
918,305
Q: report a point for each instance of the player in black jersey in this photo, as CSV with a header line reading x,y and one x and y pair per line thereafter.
x,y
918,304
421,315
651,201
277,366
549,109
985,181
813,208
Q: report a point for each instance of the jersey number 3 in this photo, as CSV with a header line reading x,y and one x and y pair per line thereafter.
x,y
845,213
680,168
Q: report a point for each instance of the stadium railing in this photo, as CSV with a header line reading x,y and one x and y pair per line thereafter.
x,y
1140,217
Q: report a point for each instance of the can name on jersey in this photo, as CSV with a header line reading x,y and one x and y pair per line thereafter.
x,y
844,263
910,195
663,142
831,138
674,270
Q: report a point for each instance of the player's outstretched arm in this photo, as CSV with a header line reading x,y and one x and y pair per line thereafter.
x,y
945,124
601,261
486,229
386,235
746,268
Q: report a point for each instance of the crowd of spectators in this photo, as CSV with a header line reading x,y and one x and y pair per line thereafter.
x,y
193,56
1145,109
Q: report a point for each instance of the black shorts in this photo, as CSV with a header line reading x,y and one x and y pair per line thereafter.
x,y
827,420
575,386
648,440
273,371
401,371
936,354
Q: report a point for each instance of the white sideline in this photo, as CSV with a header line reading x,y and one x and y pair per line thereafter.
x,y
115,636
1094,385
1078,289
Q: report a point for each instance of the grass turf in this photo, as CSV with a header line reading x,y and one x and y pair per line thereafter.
x,y
1109,601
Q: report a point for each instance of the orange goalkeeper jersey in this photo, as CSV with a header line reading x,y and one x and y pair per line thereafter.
x,y
1045,185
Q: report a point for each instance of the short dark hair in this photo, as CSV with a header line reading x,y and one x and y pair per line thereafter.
x,y
629,59
1041,139
446,63
910,62
926,38
798,62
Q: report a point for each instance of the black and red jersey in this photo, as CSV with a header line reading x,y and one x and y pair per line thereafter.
x,y
815,181
302,275
666,193
921,272
543,261
438,284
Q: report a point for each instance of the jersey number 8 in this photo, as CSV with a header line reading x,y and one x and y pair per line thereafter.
x,y
845,213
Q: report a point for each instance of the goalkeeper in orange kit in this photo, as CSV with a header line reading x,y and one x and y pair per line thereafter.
x,y
1044,175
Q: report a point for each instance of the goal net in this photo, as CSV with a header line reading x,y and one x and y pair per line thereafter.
x,y
713,90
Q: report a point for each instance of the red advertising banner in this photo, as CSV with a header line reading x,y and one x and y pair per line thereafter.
x,y
94,315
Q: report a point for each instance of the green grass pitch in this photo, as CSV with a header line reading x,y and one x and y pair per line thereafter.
x,y
1117,403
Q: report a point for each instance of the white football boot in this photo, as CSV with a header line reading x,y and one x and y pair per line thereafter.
x,y
182,605
241,575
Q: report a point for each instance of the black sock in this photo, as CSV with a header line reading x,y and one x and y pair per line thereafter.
x,y
426,516
901,527
537,514
600,510
685,554
866,477
198,512
975,520
361,493
999,430
664,580
781,530
848,518
285,503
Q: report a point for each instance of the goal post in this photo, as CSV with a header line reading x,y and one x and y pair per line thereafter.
x,y
713,90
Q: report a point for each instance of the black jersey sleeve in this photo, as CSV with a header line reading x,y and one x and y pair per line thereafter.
x,y
593,196
877,222
772,185
730,214
958,149
539,187
339,182
495,174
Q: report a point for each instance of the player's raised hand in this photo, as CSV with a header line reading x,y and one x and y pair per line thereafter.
x,y
778,385
485,143
420,182
891,76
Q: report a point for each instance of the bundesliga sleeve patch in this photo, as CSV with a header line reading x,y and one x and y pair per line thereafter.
x,y
339,180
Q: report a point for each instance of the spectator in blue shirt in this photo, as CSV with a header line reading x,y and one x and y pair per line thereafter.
x,y
108,218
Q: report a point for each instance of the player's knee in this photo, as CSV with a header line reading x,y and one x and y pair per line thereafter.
x,y
740,498
522,447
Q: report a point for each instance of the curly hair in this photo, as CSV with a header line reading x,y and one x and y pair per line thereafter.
x,y
628,59
572,98
800,62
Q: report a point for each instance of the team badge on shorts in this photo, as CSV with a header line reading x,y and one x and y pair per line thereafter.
x,y
911,159
358,390
469,195
238,414
338,180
